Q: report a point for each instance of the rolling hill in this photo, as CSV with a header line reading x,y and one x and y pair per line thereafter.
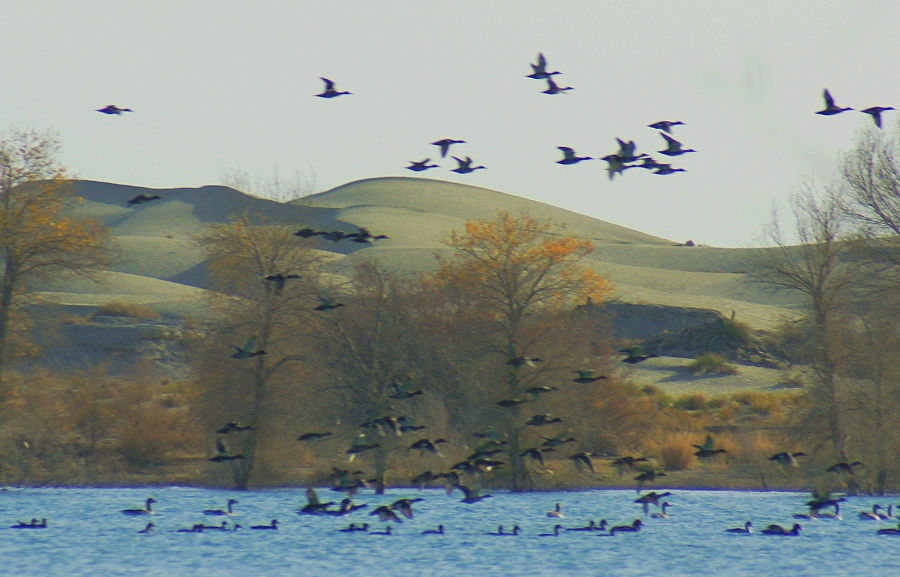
x,y
158,264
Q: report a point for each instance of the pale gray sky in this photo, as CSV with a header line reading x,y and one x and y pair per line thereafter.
x,y
218,86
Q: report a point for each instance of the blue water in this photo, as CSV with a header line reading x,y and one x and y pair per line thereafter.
x,y
88,536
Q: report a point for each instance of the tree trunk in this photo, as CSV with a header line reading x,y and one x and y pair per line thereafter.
x,y
6,294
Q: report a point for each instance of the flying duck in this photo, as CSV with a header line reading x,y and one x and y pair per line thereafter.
x,y
553,88
539,70
830,108
542,420
328,304
246,352
314,436
583,459
279,280
587,376
330,91
445,144
234,427
142,198
465,166
666,125
875,113
569,156
113,109
674,147
421,165
471,494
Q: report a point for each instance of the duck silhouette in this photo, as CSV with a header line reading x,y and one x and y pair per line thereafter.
x,y
247,351
330,91
786,459
587,376
328,304
666,125
147,510
745,530
535,454
421,165
279,280
445,143
830,108
875,113
465,166
633,528
583,459
144,198
234,427
558,440
539,69
662,514
314,436
555,532
542,420
779,530
218,512
674,147
438,531
272,527
554,88
472,494
569,156
113,109
147,529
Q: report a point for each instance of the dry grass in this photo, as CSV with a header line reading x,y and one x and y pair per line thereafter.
x,y
67,319
125,309
676,453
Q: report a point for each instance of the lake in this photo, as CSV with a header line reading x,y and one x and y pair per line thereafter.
x,y
87,535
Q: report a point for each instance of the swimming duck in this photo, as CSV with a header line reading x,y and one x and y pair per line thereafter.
x,y
779,530
555,532
663,514
330,91
445,144
633,528
33,524
387,531
421,165
147,529
349,529
674,147
872,515
666,125
592,526
197,528
745,530
246,352
273,526
438,531
836,514
142,198
113,109
587,376
465,166
890,531
569,156
222,527
554,88
556,513
830,108
539,70
875,113
146,511
500,533
218,512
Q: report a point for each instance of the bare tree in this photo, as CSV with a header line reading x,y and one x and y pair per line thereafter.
x,y
37,241
275,187
817,268
265,279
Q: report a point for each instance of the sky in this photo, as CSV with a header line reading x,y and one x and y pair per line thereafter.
x,y
221,87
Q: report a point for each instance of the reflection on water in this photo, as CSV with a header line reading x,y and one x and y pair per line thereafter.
x,y
87,535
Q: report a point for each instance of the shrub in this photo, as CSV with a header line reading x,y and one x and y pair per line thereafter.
x,y
67,319
691,402
123,309
677,453
737,331
758,402
791,380
711,363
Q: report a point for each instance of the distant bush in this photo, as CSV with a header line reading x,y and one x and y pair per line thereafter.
x,y
737,331
691,402
123,309
758,402
677,453
711,364
67,319
791,379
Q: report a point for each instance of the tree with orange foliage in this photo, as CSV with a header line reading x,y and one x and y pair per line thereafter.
x,y
512,277
37,242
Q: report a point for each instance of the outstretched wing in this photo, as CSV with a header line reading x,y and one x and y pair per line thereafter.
x,y
329,85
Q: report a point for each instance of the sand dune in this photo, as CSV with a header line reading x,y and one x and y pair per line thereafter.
x,y
160,265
